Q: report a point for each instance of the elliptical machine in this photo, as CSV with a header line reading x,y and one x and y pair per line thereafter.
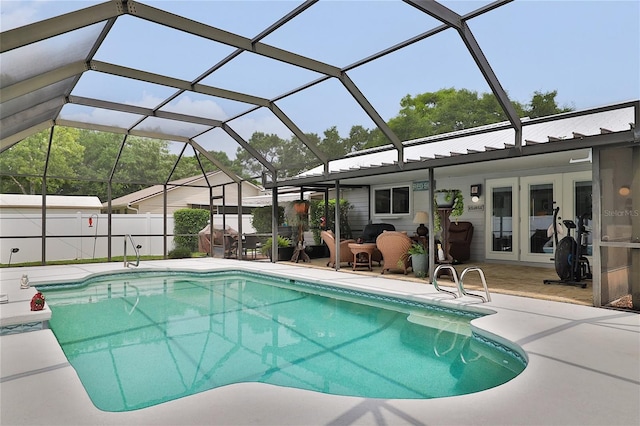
x,y
572,266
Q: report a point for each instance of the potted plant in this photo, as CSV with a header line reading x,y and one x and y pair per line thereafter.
x,y
448,198
285,248
301,207
419,260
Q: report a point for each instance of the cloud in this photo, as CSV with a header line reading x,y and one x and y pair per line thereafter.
x,y
16,14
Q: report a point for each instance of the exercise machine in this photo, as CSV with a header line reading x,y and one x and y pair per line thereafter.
x,y
571,264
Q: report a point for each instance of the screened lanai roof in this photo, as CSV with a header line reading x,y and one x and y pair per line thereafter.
x,y
209,74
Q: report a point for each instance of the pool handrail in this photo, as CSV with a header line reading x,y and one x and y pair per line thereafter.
x,y
460,282
136,248
484,284
455,278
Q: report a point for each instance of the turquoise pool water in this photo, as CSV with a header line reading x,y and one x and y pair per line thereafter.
x,y
140,339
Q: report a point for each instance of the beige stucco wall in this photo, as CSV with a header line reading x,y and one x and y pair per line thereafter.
x,y
183,197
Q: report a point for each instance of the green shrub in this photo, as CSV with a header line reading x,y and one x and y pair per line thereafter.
x,y
317,211
282,242
261,218
179,253
189,221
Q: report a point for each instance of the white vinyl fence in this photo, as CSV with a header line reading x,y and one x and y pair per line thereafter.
x,y
70,236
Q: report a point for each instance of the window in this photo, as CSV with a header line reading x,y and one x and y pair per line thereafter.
x,y
392,201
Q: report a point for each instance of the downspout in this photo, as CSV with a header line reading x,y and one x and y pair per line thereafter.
x,y
133,208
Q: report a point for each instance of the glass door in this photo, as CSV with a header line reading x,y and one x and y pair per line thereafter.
x,y
502,219
577,193
540,195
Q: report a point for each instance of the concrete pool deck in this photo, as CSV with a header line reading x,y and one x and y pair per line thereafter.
x,y
583,366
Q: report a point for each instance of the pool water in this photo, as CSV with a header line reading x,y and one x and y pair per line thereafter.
x,y
141,339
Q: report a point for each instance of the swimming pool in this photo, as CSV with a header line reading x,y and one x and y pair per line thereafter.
x,y
143,338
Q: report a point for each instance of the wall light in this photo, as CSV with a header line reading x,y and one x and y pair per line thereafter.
x,y
624,191
476,192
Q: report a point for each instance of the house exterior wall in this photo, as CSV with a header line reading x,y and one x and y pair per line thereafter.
x,y
473,212
185,197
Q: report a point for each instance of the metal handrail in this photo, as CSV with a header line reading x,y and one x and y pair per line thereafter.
x,y
460,282
135,246
484,283
455,278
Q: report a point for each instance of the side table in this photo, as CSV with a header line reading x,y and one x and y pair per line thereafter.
x,y
362,253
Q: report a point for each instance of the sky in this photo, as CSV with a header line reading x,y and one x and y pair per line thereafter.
x,y
589,51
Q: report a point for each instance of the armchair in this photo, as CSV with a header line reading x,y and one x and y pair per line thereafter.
x,y
394,247
460,235
345,254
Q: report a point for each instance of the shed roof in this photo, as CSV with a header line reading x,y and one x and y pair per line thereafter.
x,y
157,190
53,201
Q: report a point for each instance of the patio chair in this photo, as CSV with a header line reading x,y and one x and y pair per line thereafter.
x,y
251,243
460,235
394,246
345,253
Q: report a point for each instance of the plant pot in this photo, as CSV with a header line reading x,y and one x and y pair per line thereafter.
x,y
318,251
301,207
284,253
419,263
442,202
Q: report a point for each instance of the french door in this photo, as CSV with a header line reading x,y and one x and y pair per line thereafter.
x,y
502,219
520,219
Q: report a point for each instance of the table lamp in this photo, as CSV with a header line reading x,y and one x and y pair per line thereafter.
x,y
421,218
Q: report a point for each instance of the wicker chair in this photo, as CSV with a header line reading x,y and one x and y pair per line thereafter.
x,y
371,232
345,254
394,247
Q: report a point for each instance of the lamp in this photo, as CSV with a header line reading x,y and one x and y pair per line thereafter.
x,y
421,218
476,191
624,191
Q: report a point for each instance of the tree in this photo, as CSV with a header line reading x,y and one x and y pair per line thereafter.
x,y
448,110
358,138
24,163
544,104
267,145
332,144
288,156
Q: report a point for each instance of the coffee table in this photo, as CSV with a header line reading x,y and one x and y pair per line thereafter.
x,y
362,253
